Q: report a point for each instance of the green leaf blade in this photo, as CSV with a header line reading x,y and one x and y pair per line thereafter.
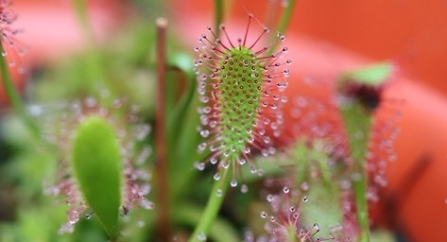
x,y
96,162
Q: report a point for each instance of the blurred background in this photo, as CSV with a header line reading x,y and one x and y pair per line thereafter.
x,y
411,33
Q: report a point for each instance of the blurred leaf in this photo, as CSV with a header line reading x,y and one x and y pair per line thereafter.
x,y
374,74
97,167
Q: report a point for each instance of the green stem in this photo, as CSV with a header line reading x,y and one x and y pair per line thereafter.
x,y
183,64
14,97
360,185
213,206
218,15
286,16
94,60
81,11
358,126
223,231
283,23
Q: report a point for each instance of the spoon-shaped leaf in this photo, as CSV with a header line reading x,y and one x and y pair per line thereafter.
x,y
96,162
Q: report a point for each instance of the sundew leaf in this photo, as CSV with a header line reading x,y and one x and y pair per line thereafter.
x,y
360,94
374,75
96,163
324,206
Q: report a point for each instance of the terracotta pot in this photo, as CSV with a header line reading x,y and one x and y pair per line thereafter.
x,y
415,37
414,202
51,30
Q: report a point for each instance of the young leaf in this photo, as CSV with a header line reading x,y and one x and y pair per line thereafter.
x,y
96,163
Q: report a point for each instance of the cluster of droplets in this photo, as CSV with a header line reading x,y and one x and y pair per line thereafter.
x,y
308,166
385,114
283,223
8,36
318,118
136,186
314,119
240,86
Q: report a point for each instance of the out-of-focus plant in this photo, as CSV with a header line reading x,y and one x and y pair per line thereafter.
x,y
90,126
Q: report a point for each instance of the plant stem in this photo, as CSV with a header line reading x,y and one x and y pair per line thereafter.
x,y
160,132
218,15
80,7
357,122
362,206
94,62
13,96
213,206
285,16
223,231
283,23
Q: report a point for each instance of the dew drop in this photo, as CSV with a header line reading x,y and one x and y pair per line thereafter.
x,y
266,140
316,227
219,192
206,110
233,183
213,124
253,169
292,209
22,70
201,236
204,133
213,161
285,3
295,215
263,214
90,102
286,190
4,53
213,148
73,216
52,191
66,228
88,216
265,152
216,176
140,224
225,164
146,204
204,99
305,199
345,184
199,166
142,132
201,147
304,186
393,158
356,176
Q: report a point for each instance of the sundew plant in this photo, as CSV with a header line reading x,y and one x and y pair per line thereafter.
x,y
145,137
